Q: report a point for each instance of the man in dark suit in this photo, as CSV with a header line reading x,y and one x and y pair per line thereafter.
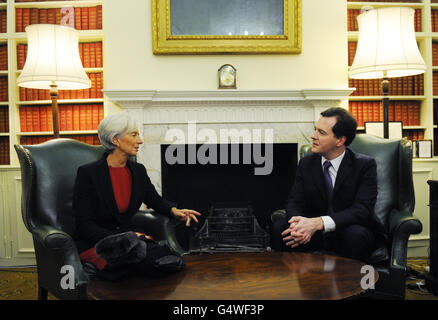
x,y
331,206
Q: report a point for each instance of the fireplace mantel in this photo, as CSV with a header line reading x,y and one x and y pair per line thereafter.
x,y
289,114
146,97
226,106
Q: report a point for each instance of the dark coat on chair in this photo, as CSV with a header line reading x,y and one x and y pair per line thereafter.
x,y
95,206
354,193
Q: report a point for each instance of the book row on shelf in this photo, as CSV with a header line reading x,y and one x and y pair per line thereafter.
x,y
85,18
4,119
26,94
95,92
352,46
71,117
4,150
3,21
4,88
435,83
435,53
434,20
353,25
3,57
89,139
4,143
406,86
90,53
21,55
417,134
406,111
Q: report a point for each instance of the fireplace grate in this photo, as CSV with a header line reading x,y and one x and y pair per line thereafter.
x,y
230,230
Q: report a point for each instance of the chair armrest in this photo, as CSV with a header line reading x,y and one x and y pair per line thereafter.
x,y
401,225
55,249
159,227
152,224
52,238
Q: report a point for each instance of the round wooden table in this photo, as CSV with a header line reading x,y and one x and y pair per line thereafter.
x,y
244,276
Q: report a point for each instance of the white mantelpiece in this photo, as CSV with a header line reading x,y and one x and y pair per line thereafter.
x,y
314,99
289,113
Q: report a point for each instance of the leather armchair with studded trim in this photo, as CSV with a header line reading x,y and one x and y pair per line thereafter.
x,y
48,172
394,208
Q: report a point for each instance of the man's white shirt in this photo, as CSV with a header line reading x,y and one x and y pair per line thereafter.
x,y
329,224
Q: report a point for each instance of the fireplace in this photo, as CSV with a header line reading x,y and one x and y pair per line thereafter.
x,y
232,185
287,115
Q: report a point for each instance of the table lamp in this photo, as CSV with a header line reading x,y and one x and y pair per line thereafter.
x,y
53,63
386,48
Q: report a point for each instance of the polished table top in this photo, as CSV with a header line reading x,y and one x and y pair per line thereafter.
x,y
244,276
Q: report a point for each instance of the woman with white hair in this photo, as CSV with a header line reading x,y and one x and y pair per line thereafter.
x,y
108,192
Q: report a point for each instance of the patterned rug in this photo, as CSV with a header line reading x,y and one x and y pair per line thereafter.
x,y
415,284
21,283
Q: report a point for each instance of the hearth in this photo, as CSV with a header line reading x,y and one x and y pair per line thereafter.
x,y
250,198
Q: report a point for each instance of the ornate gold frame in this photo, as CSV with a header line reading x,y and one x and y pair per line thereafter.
x,y
164,43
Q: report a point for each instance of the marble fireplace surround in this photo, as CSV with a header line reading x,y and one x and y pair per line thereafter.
x,y
290,114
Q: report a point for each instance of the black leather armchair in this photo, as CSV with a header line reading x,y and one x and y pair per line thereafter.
x,y
48,173
394,207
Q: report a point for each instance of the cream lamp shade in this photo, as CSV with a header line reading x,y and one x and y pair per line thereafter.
x,y
387,46
53,56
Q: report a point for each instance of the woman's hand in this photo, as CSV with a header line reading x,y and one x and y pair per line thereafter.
x,y
185,215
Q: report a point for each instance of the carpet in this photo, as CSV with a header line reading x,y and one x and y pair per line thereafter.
x,y
21,283
415,283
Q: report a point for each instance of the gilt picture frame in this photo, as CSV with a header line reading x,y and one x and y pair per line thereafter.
x,y
179,29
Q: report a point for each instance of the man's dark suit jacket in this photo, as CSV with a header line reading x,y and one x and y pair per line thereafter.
x,y
95,206
354,193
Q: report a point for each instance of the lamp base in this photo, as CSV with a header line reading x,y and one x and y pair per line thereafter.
x,y
54,97
385,90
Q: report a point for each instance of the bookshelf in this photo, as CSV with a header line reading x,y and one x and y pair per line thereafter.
x,y
410,97
25,114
